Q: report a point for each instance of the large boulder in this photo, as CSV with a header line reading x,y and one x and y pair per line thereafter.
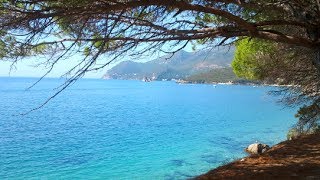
x,y
257,148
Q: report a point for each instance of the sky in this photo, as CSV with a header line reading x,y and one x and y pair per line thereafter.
x,y
27,67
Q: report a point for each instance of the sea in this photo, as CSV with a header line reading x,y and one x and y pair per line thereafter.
x,y
126,129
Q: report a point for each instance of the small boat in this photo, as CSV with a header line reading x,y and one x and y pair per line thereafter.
x,y
146,79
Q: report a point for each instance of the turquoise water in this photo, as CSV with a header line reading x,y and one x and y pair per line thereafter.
x,y
100,129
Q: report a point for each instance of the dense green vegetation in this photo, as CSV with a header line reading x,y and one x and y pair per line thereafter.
x,y
249,54
220,75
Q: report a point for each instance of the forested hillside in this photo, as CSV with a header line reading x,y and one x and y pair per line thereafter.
x,y
183,64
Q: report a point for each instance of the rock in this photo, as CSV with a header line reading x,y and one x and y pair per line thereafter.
x,y
253,148
257,148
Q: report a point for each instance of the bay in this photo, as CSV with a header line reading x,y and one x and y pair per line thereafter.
x,y
112,129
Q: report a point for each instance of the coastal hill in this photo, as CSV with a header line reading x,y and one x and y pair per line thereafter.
x,y
180,66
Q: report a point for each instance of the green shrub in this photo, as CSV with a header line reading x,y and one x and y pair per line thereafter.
x,y
293,133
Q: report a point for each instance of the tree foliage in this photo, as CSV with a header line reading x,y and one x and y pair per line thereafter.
x,y
118,28
248,56
286,65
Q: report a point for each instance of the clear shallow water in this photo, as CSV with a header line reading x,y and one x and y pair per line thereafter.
x,y
100,129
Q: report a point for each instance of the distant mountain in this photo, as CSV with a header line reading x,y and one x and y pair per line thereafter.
x,y
183,64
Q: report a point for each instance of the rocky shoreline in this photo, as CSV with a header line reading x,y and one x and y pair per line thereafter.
x,y
244,82
294,159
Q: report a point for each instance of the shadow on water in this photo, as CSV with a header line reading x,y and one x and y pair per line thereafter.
x,y
230,144
179,162
74,160
177,176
